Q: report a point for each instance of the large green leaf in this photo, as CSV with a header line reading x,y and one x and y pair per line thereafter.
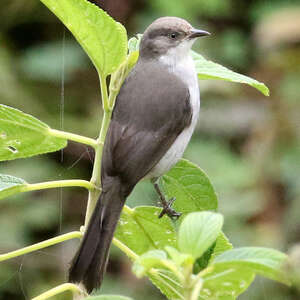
x,y
22,135
223,282
10,185
234,270
263,261
190,186
198,231
103,39
141,230
207,69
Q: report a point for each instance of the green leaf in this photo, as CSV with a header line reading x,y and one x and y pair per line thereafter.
x,y
202,262
148,260
222,245
134,43
103,39
141,230
210,70
118,77
190,186
198,231
263,261
225,282
207,69
167,283
177,257
108,297
22,135
10,185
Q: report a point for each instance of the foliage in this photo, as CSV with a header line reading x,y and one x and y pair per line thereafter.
x,y
23,135
190,259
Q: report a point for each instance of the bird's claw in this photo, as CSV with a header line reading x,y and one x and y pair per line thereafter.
x,y
168,210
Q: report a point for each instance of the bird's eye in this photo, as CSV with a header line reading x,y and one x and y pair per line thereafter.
x,y
173,35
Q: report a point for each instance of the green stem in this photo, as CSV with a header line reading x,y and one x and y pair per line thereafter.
x,y
73,137
125,249
196,290
96,175
47,185
60,289
193,284
56,184
202,274
187,287
173,268
104,93
41,245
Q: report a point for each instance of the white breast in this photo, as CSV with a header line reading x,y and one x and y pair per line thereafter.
x,y
184,68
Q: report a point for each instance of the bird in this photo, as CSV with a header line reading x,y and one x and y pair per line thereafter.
x,y
153,119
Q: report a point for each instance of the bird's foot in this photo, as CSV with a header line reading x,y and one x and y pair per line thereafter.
x,y
167,205
168,210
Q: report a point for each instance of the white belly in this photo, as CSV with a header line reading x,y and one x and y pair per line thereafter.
x,y
174,154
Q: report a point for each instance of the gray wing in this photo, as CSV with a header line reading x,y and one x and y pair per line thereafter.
x,y
146,120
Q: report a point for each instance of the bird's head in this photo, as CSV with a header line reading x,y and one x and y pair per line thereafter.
x,y
169,35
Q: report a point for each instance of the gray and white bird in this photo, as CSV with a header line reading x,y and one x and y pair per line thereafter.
x,y
152,122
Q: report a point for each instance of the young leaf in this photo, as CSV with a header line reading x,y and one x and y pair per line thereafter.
x,y
190,186
177,257
198,231
207,69
118,77
22,135
148,260
108,297
263,261
223,282
141,229
134,43
10,185
103,39
210,70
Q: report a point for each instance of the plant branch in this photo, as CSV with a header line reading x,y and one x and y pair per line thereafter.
x,y
73,137
61,289
96,175
57,184
196,290
173,268
41,245
125,249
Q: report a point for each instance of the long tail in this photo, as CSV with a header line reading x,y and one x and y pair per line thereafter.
x,y
89,263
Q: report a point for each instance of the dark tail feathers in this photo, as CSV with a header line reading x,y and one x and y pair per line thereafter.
x,y
89,263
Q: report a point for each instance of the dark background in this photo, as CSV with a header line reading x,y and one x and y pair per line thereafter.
x,y
248,144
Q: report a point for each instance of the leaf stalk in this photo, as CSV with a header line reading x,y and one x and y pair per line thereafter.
x,y
73,137
61,289
41,245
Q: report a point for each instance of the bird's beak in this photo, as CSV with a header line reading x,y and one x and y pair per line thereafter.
x,y
195,33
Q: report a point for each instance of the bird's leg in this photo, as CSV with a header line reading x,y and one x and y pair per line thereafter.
x,y
167,205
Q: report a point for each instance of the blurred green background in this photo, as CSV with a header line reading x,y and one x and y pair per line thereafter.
x,y
248,144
